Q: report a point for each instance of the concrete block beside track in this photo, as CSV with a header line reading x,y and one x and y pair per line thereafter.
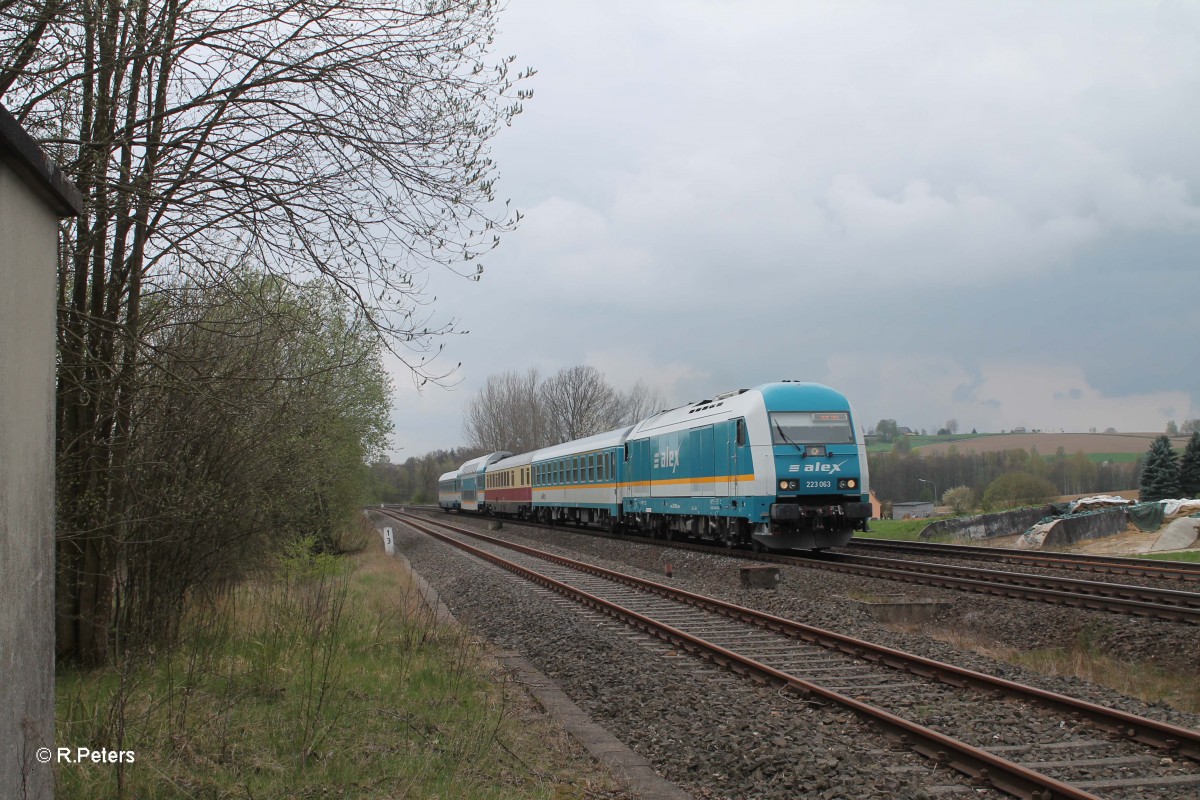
x,y
985,526
759,577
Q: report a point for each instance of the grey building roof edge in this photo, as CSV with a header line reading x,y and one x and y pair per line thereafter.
x,y
22,153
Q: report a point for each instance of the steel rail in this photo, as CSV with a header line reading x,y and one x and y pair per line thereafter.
x,y
1160,735
979,764
1147,594
1009,584
1084,562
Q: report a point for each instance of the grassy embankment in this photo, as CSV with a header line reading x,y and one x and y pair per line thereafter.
x,y
330,679
907,530
1192,556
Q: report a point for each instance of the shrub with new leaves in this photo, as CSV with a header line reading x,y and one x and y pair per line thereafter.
x,y
1014,489
961,499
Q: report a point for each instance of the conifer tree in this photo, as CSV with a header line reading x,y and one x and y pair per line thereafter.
x,y
1160,475
1189,468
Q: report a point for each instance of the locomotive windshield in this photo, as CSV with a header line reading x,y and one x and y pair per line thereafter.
x,y
811,427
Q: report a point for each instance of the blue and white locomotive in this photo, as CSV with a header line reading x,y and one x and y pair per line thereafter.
x,y
777,466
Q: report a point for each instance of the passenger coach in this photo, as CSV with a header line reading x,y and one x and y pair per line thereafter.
x,y
471,481
449,493
581,481
508,485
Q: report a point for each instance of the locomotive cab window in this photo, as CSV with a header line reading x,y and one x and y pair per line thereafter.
x,y
811,427
741,432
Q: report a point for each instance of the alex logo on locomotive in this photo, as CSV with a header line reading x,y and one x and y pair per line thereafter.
x,y
824,466
667,459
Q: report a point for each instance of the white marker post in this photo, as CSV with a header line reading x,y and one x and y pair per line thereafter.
x,y
389,544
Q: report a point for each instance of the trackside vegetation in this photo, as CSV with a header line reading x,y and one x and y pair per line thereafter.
x,y
258,406
326,677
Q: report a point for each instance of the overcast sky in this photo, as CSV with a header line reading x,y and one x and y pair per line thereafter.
x,y
986,211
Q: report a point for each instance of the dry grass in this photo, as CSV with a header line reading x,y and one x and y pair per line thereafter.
x,y
1083,659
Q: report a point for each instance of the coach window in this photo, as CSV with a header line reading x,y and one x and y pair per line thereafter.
x,y
600,462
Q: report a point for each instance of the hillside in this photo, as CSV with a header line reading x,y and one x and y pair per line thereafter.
x,y
1047,444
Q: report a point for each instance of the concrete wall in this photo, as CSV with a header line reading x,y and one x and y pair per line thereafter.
x,y
985,526
1095,525
28,247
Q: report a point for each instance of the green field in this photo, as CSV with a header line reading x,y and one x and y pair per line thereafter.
x,y
1116,458
920,441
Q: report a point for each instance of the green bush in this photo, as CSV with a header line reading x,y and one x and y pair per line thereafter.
x,y
1014,489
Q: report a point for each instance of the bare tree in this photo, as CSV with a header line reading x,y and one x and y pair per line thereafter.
x,y
520,412
507,414
579,402
341,140
639,403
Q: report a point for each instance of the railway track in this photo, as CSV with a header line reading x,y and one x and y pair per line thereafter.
x,y
1102,565
1130,599
1121,598
920,702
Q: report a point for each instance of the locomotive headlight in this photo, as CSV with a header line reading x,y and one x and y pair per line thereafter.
x,y
848,483
783,484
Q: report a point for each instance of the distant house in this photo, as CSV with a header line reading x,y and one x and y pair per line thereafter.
x,y
904,431
876,506
917,509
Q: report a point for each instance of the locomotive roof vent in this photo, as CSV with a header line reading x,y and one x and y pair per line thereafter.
x,y
734,393
705,407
